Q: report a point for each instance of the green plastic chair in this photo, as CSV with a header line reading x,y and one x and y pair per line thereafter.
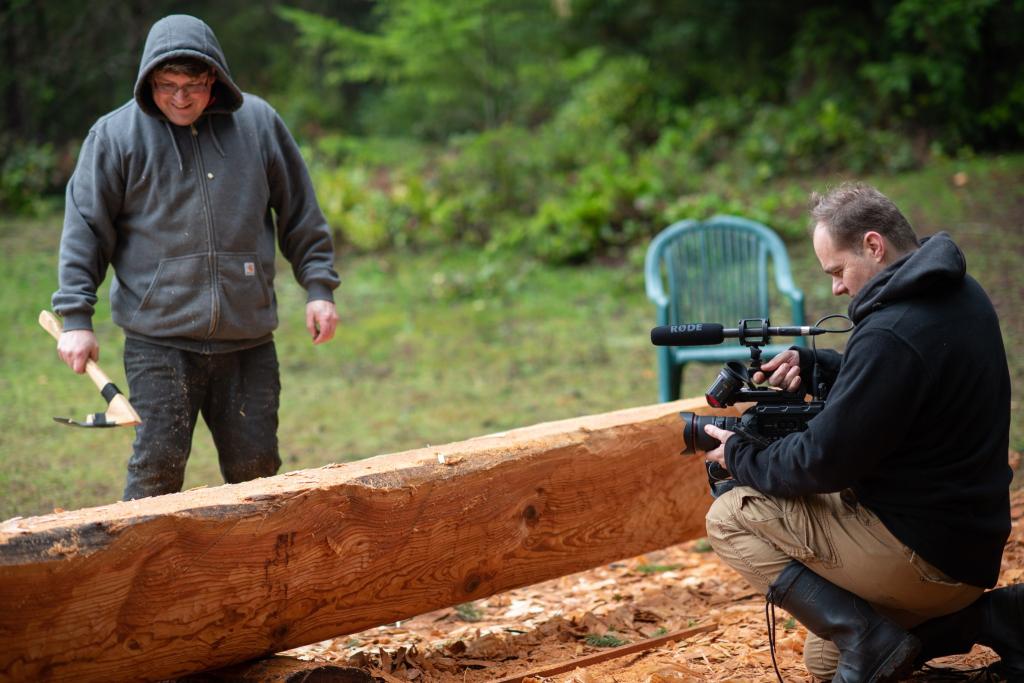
x,y
716,271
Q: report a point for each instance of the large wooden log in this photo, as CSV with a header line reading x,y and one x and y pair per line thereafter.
x,y
162,587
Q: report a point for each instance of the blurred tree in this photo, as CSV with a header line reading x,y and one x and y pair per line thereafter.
x,y
787,85
65,63
432,68
437,68
942,68
62,65
698,48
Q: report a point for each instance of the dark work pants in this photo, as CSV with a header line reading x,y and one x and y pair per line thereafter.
x,y
238,395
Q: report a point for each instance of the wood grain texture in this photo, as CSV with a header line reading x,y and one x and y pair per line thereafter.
x,y
162,587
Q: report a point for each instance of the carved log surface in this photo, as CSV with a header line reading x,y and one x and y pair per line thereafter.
x,y
162,587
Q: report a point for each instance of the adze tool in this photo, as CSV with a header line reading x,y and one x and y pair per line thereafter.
x,y
119,411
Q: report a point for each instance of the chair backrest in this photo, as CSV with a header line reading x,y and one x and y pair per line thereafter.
x,y
719,270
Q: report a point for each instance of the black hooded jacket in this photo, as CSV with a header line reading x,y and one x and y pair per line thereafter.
x,y
917,417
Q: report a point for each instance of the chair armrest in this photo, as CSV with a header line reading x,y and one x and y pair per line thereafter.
x,y
652,278
786,286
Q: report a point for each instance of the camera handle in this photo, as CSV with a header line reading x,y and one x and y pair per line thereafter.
x,y
753,333
755,365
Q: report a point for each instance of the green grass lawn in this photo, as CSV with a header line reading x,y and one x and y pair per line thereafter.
x,y
441,346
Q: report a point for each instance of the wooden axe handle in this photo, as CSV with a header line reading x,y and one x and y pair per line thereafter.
x,y
119,410
52,324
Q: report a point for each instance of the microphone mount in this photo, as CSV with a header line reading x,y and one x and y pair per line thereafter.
x,y
753,338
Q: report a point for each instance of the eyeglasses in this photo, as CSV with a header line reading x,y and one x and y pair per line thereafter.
x,y
189,89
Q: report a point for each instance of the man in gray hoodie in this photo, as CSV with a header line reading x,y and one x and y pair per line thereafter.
x,y
184,190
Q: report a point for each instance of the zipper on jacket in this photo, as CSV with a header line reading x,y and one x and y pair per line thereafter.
x,y
211,253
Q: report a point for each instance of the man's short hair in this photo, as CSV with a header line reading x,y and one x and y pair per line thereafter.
x,y
192,67
852,209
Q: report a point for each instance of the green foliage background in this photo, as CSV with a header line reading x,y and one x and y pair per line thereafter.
x,y
564,129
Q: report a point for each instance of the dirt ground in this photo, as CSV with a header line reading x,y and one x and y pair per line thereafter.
x,y
525,632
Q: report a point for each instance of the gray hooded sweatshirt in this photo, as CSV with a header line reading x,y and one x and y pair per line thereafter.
x,y
188,215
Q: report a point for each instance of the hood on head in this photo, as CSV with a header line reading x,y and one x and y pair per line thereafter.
x,y
937,264
180,35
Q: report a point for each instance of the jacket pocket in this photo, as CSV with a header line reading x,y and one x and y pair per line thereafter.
x,y
178,301
247,308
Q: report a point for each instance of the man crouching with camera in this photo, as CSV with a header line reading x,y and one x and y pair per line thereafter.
x,y
880,526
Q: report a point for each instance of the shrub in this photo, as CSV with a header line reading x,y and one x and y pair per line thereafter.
x,y
369,210
485,180
28,178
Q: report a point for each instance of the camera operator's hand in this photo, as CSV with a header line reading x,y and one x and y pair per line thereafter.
x,y
785,369
718,454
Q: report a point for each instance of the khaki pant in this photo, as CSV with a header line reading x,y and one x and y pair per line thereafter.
x,y
845,543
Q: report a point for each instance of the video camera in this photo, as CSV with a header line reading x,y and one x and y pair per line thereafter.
x,y
775,413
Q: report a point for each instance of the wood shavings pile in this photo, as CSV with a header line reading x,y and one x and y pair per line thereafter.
x,y
525,631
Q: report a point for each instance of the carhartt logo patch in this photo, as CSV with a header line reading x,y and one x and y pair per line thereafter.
x,y
250,268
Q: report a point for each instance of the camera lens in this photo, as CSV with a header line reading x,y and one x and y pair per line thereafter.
x,y
693,430
730,380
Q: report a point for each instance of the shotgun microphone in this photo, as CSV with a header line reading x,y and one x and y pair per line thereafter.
x,y
706,334
688,334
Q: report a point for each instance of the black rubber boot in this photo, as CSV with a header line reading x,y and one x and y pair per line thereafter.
x,y
871,647
995,620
